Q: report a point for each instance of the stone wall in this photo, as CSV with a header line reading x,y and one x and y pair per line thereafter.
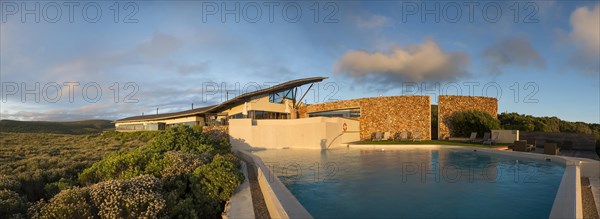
x,y
216,132
394,113
450,104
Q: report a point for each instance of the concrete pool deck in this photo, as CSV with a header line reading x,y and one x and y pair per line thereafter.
x,y
278,199
240,204
595,187
567,204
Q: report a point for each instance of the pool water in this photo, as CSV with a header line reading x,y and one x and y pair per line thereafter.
x,y
416,183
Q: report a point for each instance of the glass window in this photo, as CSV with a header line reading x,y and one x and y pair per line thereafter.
x,y
236,116
343,113
267,115
280,96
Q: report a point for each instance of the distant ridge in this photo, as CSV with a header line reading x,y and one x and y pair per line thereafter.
x,y
74,127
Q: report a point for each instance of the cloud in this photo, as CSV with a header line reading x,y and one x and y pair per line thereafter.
x,y
83,113
193,68
148,53
372,22
168,98
586,28
586,37
514,51
158,46
425,62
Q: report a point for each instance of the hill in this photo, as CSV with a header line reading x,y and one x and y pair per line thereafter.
x,y
75,127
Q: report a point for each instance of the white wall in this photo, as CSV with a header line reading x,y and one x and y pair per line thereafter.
x,y
315,133
507,136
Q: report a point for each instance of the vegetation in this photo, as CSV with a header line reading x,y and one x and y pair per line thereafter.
x,y
77,127
434,121
545,124
549,124
177,173
465,122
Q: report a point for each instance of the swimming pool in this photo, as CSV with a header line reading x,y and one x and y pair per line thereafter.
x,y
428,182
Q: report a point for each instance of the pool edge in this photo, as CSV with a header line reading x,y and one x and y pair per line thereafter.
x,y
281,203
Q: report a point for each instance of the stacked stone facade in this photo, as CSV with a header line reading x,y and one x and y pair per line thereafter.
x,y
216,132
382,114
450,104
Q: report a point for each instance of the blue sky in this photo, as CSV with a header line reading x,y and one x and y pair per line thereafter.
x,y
540,58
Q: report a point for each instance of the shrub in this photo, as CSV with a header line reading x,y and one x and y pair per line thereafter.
x,y
184,138
9,183
121,165
218,180
135,198
197,174
176,163
144,136
11,203
55,187
44,164
464,122
70,203
149,160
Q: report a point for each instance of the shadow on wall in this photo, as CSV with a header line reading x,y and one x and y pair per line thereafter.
x,y
220,132
239,144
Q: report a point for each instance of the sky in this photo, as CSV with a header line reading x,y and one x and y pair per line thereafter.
x,y
65,61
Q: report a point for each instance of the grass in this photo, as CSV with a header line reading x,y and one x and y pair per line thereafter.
x,y
40,160
428,142
75,127
159,174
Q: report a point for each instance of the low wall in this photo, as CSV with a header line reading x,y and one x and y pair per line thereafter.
x,y
565,140
314,133
382,114
280,202
506,136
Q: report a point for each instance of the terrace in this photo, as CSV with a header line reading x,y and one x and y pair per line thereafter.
x,y
501,146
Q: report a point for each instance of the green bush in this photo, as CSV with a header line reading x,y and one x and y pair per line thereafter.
x,y
55,187
9,183
177,173
464,122
144,136
11,204
218,181
147,160
197,174
44,164
139,197
120,165
70,203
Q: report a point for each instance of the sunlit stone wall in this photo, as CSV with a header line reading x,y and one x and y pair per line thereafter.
x,y
216,132
450,104
394,114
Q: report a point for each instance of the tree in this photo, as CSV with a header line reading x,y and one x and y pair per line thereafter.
x,y
464,122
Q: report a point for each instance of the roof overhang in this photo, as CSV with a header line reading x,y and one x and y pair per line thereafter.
x,y
227,104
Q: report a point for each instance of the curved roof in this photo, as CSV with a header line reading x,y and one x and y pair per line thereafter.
x,y
234,101
165,115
